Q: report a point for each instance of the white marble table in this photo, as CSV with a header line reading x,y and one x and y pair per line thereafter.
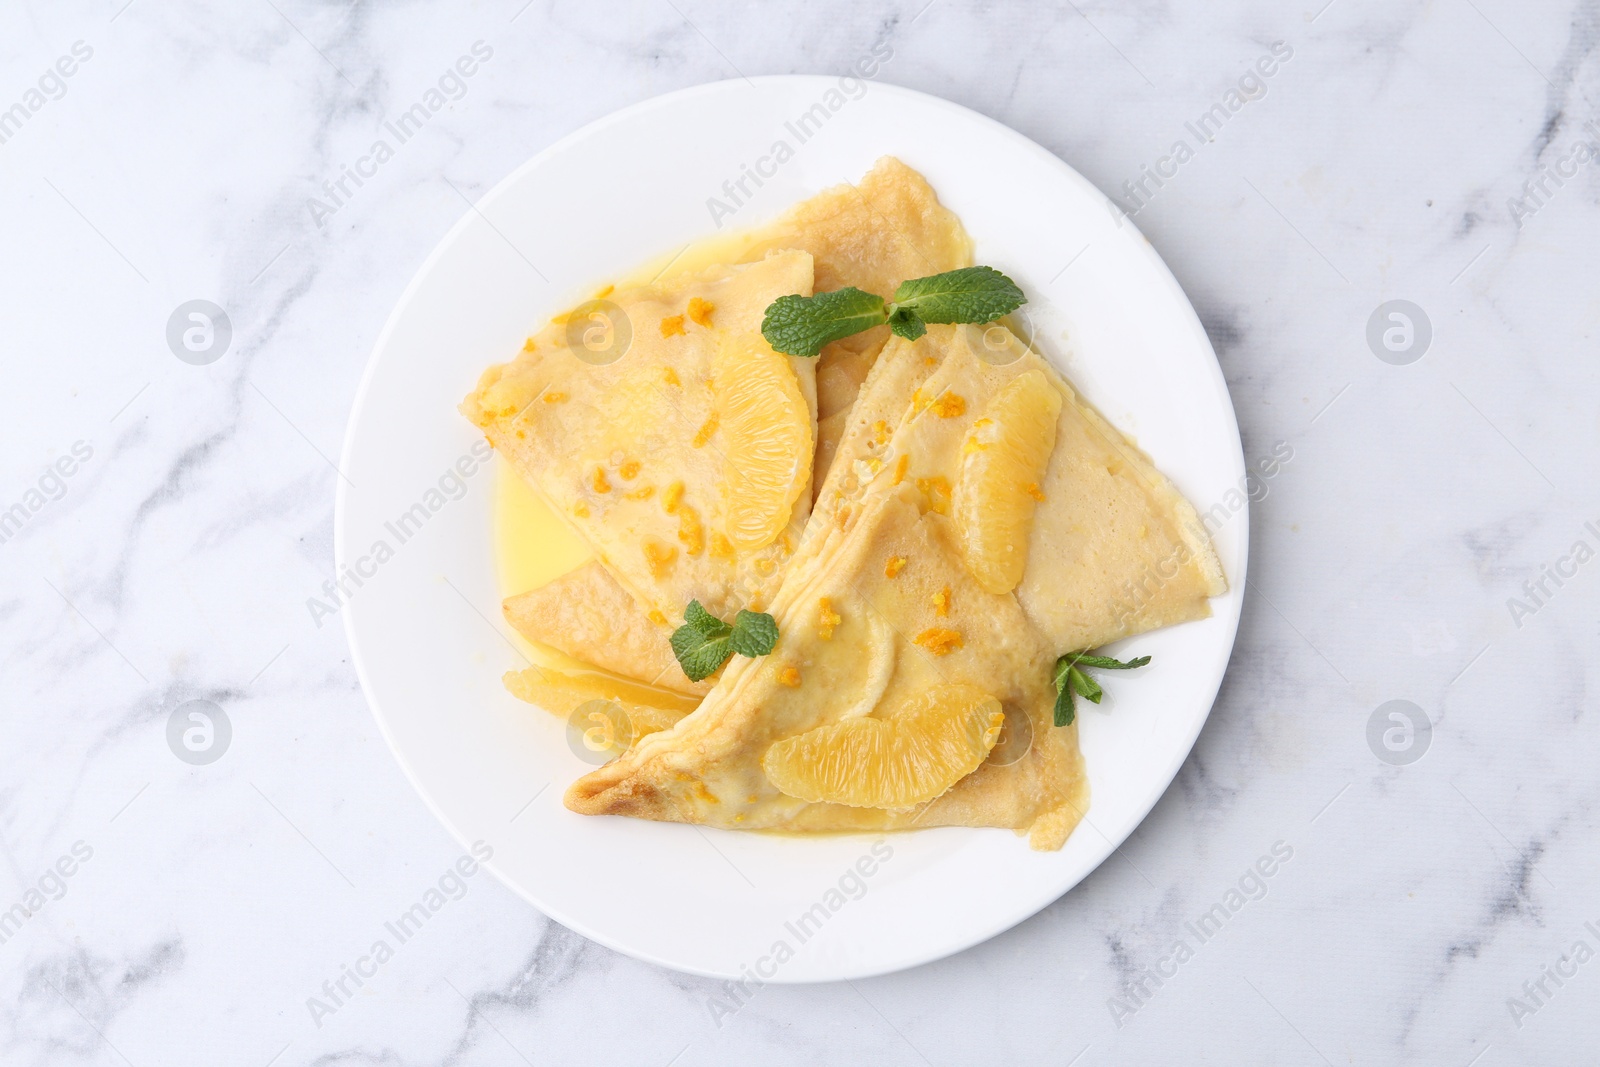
x,y
1418,543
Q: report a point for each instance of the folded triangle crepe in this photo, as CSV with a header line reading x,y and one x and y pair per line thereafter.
x,y
587,615
1114,548
884,230
640,451
615,612
883,604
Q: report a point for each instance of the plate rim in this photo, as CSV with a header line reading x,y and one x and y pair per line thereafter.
x,y
1032,905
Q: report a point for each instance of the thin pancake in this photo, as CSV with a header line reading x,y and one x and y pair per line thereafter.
x,y
921,404
1115,549
585,614
628,451
707,769
872,235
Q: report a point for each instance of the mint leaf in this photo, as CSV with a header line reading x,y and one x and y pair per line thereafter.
x,y
1064,708
704,642
906,323
702,620
1107,663
1063,665
703,659
1084,686
754,633
1069,678
803,325
971,294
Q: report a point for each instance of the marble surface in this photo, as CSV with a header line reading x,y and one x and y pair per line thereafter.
x,y
169,520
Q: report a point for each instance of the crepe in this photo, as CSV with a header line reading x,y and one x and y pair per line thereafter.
x,y
873,235
632,448
586,615
707,769
880,605
642,711
1115,549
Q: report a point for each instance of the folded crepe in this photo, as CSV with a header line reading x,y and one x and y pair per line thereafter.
x,y
614,612
643,710
681,455
587,616
911,624
849,649
1113,549
884,230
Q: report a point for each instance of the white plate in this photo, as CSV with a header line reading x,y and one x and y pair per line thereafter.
x,y
425,628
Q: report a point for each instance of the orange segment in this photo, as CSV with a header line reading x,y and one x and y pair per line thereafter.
x,y
1004,457
765,437
932,742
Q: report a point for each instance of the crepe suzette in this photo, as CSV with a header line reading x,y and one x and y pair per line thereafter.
x,y
873,235
980,521
681,455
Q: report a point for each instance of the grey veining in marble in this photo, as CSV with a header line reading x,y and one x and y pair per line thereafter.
x,y
165,521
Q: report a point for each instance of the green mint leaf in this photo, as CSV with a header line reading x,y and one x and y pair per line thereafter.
x,y
1063,665
703,621
803,325
703,659
906,323
1069,678
971,294
1085,686
1064,708
698,654
704,642
754,633
1107,663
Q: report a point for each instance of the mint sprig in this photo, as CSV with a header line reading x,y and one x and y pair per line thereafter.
x,y
804,325
971,294
704,642
1070,678
807,324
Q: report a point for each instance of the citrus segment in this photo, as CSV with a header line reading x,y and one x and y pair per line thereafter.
x,y
1002,466
763,429
934,740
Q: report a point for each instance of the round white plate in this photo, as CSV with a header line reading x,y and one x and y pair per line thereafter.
x,y
425,626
